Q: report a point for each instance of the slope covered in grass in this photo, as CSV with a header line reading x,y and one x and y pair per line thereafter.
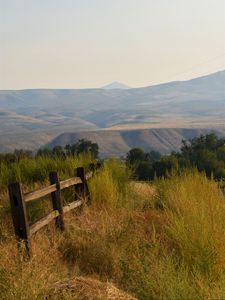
x,y
152,242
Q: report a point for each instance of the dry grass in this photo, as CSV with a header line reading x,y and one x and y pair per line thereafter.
x,y
143,190
87,288
174,251
197,222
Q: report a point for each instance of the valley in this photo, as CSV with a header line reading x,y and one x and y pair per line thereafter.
x,y
34,118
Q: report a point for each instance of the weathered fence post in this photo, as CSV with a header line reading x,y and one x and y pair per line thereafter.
x,y
56,200
19,214
80,189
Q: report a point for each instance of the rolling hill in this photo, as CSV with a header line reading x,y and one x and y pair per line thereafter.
x,y
32,118
119,142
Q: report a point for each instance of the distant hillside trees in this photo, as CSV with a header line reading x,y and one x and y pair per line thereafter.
x,y
15,156
206,153
81,146
144,164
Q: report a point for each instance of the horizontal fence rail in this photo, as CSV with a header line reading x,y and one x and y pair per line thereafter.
x,y
18,199
40,193
43,221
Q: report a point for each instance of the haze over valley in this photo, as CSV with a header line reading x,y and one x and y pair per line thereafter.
x,y
33,118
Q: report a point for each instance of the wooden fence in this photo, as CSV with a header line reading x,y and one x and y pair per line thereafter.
x,y
18,199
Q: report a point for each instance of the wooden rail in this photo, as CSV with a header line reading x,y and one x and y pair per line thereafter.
x,y
43,221
40,193
18,199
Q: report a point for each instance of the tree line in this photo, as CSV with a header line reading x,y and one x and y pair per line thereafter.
x,y
81,146
206,153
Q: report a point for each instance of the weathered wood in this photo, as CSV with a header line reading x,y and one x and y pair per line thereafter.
x,y
80,189
73,205
43,221
19,214
18,201
50,189
40,193
69,182
56,199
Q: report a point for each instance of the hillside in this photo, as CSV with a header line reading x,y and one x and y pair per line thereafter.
x,y
119,142
133,240
33,118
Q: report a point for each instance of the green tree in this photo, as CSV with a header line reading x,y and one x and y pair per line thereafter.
x,y
144,171
58,151
165,165
135,156
44,152
86,146
206,152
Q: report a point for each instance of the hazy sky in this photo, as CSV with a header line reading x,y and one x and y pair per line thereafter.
x,y
89,43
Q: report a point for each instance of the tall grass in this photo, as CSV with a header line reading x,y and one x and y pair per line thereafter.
x,y
28,279
110,185
161,242
173,252
33,173
197,222
36,170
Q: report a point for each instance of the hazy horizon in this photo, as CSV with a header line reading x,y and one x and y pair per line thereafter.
x,y
104,87
89,44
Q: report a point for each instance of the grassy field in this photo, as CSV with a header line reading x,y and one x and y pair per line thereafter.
x,y
164,240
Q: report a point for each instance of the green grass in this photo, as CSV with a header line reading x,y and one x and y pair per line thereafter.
x,y
165,241
110,185
173,252
197,222
36,170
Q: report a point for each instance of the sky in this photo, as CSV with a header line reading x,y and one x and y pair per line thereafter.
x,y
90,43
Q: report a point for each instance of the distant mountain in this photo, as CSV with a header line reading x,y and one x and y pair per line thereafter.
x,y
116,86
31,118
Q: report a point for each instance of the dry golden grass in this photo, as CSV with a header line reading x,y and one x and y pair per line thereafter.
x,y
162,242
87,288
143,189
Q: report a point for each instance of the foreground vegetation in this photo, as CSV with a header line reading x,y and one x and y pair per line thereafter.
x,y
164,240
32,170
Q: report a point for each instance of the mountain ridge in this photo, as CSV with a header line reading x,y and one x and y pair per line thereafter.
x,y
118,143
116,85
25,115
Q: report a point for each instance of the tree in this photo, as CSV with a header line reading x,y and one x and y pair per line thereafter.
x,y
44,152
82,146
21,153
58,151
153,155
221,153
86,146
135,156
206,152
144,171
165,165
